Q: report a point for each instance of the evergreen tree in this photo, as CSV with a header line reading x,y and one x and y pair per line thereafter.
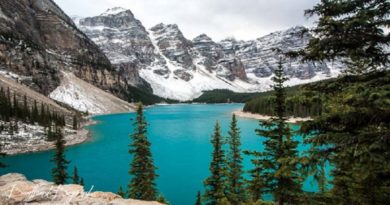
x,y
121,192
26,111
198,199
279,160
34,113
351,136
75,178
142,185
352,30
236,190
59,171
216,184
16,110
256,181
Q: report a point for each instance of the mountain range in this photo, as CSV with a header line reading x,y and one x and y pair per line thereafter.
x,y
115,55
178,68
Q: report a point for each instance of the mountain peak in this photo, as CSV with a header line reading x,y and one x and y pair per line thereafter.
x,y
163,25
202,38
115,11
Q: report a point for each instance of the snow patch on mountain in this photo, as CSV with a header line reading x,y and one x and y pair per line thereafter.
x,y
85,97
113,11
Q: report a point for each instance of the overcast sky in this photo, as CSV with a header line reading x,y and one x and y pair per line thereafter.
x,y
242,19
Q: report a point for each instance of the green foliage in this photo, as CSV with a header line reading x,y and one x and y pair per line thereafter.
x,y
215,184
353,135
260,202
223,201
141,95
299,103
142,185
59,172
255,184
351,30
224,96
279,162
235,181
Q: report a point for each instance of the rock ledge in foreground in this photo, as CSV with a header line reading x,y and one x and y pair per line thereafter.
x,y
16,189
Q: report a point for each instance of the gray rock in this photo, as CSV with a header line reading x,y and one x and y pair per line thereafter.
x,y
39,40
182,74
16,189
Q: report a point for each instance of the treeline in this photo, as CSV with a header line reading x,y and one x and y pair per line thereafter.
x,y
298,104
11,109
224,96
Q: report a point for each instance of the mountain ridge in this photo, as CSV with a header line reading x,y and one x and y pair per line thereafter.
x,y
38,40
178,68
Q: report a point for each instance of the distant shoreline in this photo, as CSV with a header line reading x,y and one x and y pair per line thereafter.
x,y
294,120
78,137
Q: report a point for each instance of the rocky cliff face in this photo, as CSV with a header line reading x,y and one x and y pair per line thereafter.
x,y
16,189
260,56
37,39
179,68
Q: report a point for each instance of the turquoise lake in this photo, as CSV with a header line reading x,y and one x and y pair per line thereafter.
x,y
180,136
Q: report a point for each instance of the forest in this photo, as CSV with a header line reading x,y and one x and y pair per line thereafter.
x,y
14,109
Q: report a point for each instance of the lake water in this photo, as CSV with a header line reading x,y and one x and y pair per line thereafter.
x,y
180,137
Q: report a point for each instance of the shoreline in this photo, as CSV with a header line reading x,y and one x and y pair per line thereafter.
x,y
77,137
293,120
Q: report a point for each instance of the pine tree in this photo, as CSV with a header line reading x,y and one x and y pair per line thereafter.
x,y
255,184
142,185
215,184
59,171
26,111
121,192
16,107
34,113
351,136
75,178
198,199
279,160
352,30
236,190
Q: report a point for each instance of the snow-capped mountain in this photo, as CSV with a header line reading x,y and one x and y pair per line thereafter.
x,y
178,68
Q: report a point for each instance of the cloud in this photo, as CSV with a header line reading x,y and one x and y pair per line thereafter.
x,y
242,19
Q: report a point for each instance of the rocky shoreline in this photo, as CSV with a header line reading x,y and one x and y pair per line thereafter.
x,y
293,120
15,189
37,143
